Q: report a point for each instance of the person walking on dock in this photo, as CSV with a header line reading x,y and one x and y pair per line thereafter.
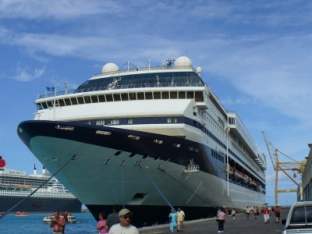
x,y
124,226
180,218
247,211
266,214
221,219
173,220
101,225
277,213
233,214
257,212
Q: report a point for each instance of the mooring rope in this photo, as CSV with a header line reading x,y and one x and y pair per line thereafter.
x,y
40,186
162,195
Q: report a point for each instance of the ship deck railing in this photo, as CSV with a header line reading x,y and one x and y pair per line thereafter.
x,y
21,193
65,91
123,86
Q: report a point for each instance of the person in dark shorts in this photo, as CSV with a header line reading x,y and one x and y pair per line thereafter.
x,y
277,213
221,219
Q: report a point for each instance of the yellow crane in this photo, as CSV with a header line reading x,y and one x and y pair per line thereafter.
x,y
285,167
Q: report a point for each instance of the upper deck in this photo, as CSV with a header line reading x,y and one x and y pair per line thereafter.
x,y
152,78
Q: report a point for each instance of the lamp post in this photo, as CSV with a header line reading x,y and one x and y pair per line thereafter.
x,y
227,129
227,163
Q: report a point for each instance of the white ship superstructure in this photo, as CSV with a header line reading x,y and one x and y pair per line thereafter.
x,y
145,137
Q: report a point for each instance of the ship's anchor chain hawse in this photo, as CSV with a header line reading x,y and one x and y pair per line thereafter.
x,y
72,158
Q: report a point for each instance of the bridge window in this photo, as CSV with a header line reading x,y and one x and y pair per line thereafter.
x,y
94,98
73,101
173,95
231,120
140,96
67,101
109,97
199,97
181,95
42,105
62,103
101,98
80,100
49,103
87,99
117,97
148,95
156,95
190,94
165,95
124,97
132,96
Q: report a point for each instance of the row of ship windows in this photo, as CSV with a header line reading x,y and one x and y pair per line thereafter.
x,y
132,121
217,156
197,95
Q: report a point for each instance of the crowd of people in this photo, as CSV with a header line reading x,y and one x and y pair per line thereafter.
x,y
117,223
266,211
176,220
250,212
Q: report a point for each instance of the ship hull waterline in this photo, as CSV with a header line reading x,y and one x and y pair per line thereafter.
x,y
39,204
116,167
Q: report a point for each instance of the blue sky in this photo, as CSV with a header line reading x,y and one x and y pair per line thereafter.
x,y
256,56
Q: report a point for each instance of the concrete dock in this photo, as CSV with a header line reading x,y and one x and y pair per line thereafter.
x,y
241,225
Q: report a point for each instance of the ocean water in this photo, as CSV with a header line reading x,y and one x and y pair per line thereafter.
x,y
33,224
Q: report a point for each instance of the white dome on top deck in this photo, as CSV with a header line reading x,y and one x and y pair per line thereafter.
x,y
110,68
183,61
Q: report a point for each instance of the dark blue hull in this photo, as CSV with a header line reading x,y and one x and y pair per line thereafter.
x,y
150,215
34,204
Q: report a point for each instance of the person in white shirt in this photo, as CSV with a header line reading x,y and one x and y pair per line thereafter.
x,y
124,226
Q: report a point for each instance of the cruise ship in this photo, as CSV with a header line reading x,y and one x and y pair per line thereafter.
x,y
18,185
148,139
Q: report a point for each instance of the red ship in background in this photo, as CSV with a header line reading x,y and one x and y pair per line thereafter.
x,y
2,163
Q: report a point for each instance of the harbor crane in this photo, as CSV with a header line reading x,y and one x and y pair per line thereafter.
x,y
285,167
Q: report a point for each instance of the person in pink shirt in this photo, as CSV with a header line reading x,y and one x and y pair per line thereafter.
x,y
101,225
221,219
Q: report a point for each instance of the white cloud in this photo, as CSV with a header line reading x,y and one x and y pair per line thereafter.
x,y
25,75
60,9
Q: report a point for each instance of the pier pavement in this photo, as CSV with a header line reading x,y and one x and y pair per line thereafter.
x,y
241,225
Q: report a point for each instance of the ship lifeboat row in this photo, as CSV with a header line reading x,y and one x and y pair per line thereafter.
x,y
238,174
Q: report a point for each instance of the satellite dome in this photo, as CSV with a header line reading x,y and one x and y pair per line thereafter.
x,y
110,68
183,61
